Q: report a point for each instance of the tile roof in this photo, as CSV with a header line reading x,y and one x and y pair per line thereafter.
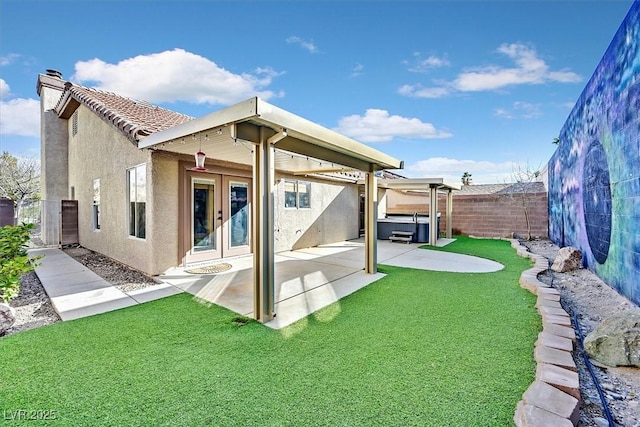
x,y
135,119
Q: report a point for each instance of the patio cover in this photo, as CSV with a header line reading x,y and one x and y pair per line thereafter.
x,y
256,133
433,185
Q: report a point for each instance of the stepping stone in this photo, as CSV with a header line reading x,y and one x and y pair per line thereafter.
x,y
554,356
549,398
532,416
554,311
554,341
556,320
548,296
550,291
548,303
561,378
561,331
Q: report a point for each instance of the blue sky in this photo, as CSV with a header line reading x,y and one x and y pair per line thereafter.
x,y
447,86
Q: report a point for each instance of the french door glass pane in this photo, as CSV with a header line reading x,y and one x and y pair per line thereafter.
x,y
239,235
204,233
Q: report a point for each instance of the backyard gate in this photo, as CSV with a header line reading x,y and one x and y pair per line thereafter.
x,y
69,222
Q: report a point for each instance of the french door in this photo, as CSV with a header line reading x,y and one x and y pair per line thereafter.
x,y
219,223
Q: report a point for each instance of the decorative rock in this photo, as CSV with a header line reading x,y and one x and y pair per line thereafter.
x,y
616,341
7,317
568,259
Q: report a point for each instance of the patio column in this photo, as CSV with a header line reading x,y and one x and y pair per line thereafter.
x,y
262,236
371,223
449,213
433,214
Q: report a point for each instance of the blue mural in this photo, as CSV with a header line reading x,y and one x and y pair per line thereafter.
x,y
594,175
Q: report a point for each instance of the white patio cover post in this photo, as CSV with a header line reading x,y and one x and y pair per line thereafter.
x,y
433,214
371,223
263,234
449,212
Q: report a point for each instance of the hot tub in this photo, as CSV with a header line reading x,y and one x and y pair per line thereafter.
x,y
416,224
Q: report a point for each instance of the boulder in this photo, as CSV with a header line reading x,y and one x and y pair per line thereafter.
x,y
616,341
568,259
7,318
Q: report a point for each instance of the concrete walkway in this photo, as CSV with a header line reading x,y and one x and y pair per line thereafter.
x,y
75,291
306,280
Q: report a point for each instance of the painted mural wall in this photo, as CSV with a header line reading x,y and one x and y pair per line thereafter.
x,y
594,175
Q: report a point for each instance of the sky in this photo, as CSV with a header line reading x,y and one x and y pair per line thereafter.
x,y
446,86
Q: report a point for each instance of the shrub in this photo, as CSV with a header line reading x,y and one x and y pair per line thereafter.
x,y
14,261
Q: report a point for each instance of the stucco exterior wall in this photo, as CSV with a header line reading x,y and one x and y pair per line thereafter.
x,y
163,212
99,151
333,215
594,175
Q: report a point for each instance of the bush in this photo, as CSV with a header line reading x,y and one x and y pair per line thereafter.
x,y
14,261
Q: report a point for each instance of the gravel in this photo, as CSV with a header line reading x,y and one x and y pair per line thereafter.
x,y
591,300
33,307
582,293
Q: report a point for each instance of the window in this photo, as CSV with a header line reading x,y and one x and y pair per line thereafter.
x,y
297,194
137,182
96,204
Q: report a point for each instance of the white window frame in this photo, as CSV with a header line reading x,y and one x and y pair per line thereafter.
x,y
139,193
95,210
297,184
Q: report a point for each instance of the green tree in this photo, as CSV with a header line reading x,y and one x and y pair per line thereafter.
x,y
466,178
19,178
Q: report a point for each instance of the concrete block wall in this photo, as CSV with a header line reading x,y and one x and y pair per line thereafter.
x,y
594,175
482,215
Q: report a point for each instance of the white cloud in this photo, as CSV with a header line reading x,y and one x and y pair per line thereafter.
x,y
520,109
503,113
529,69
422,65
20,117
379,126
8,59
308,45
175,75
5,90
482,172
357,70
417,91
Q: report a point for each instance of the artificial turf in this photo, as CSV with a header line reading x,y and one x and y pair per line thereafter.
x,y
416,348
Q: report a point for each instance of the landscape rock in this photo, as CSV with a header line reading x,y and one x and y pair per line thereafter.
x,y
616,341
568,259
7,318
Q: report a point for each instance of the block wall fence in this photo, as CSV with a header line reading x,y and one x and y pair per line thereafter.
x,y
482,215
594,175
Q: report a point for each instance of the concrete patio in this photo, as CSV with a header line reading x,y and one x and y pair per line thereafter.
x,y
306,279
312,278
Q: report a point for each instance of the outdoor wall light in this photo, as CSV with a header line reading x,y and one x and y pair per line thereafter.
x,y
200,158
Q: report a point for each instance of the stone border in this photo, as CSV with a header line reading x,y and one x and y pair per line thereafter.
x,y
554,397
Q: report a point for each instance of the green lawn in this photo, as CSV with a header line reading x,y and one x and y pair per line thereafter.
x,y
415,348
